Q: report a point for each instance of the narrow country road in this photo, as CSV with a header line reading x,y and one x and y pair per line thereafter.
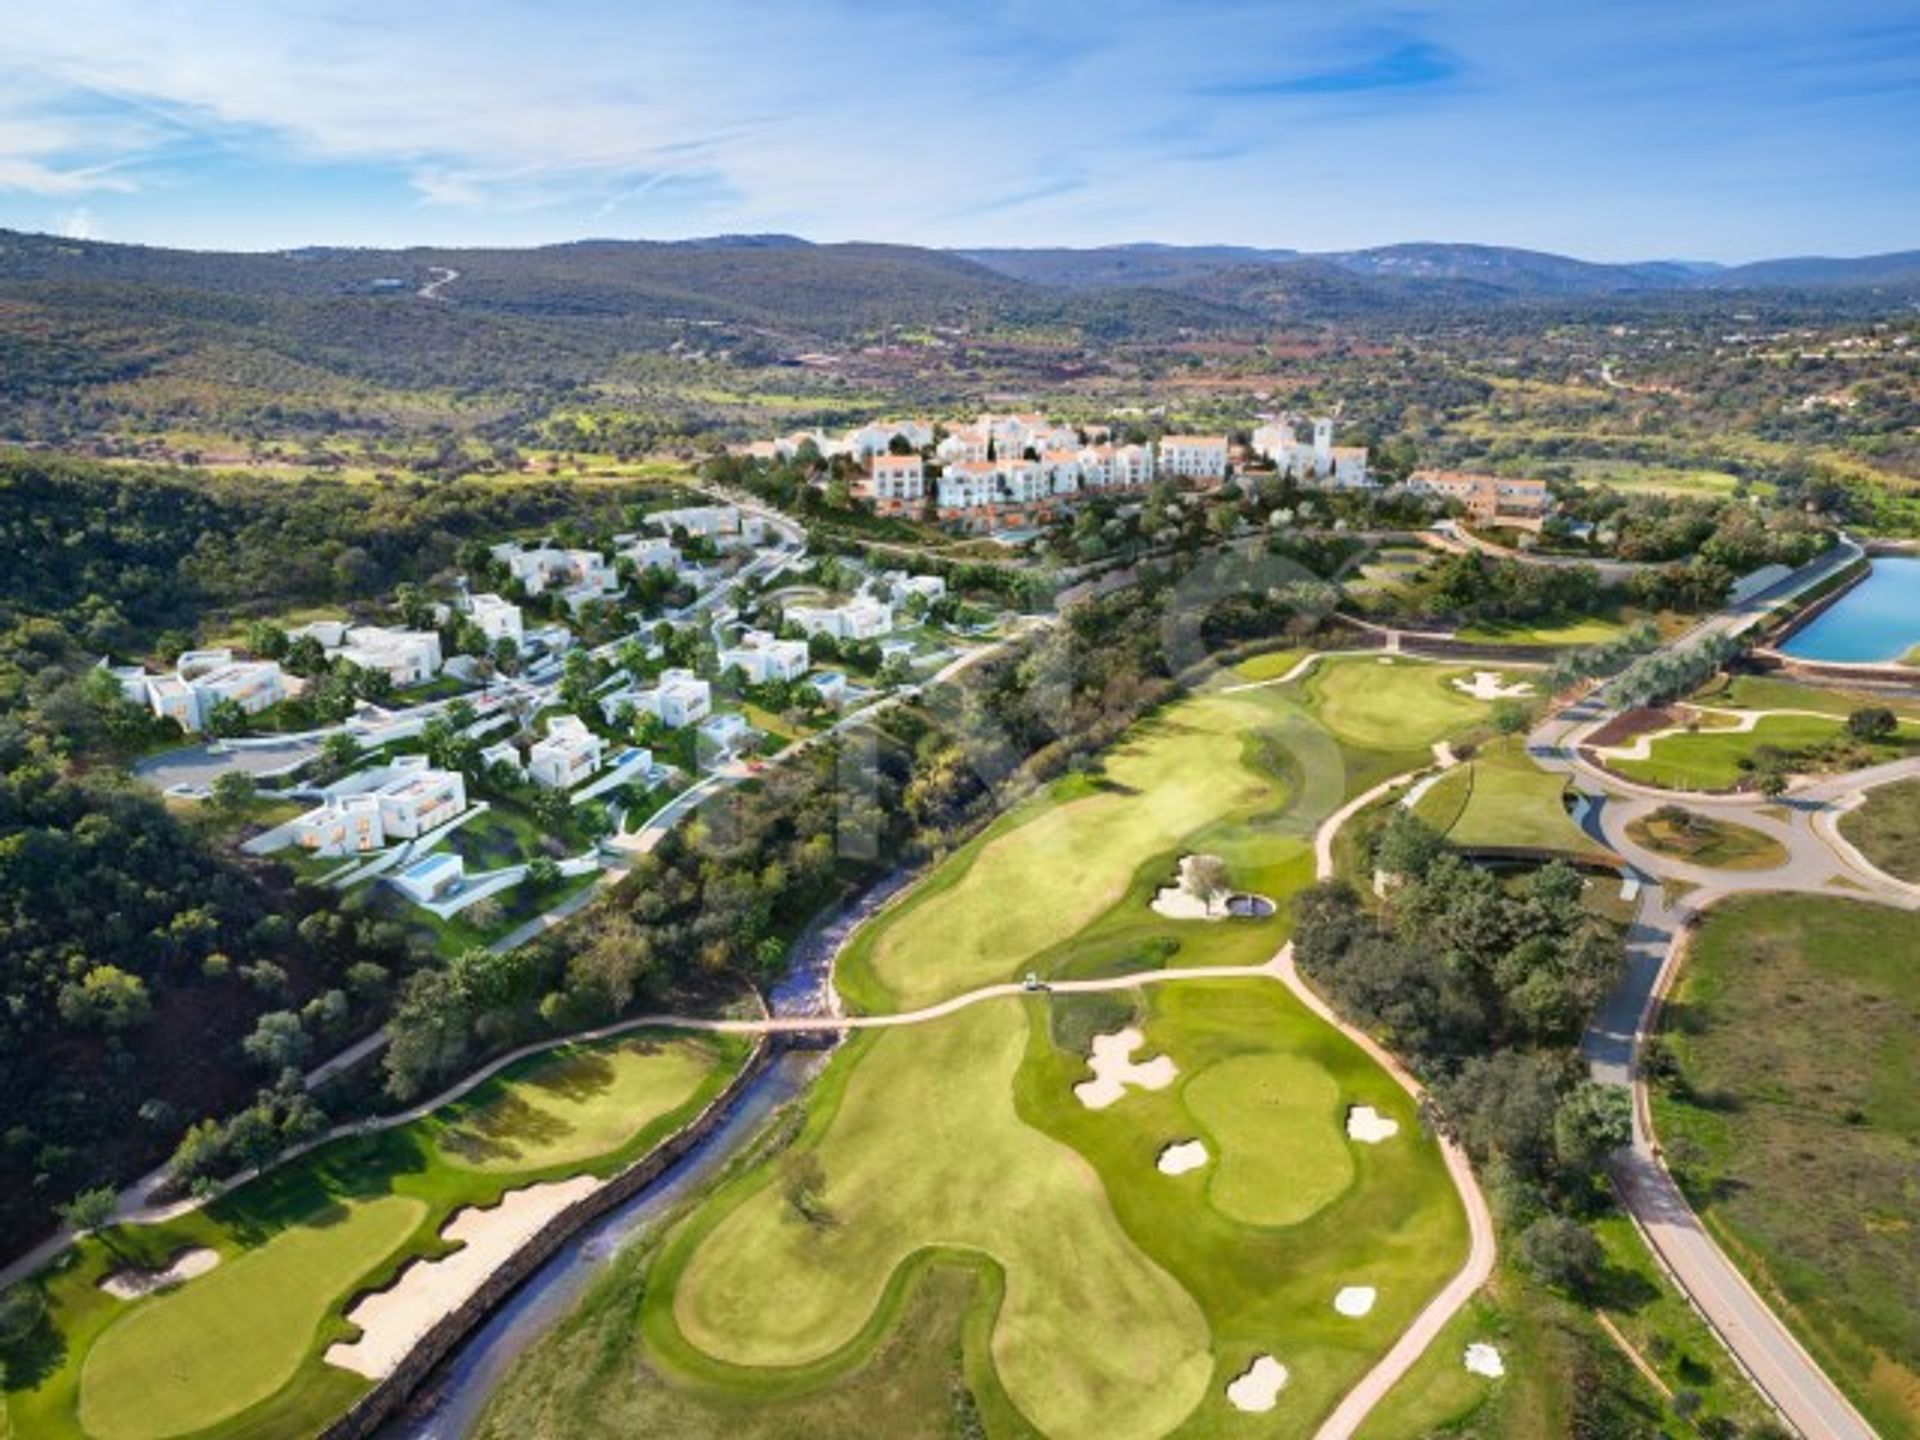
x,y
441,278
1819,861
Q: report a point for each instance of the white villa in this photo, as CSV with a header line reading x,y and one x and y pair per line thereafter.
x,y
721,736
678,698
497,618
761,658
651,552
504,753
1194,457
569,754
709,520
202,679
927,587
580,575
1342,466
862,618
402,801
408,656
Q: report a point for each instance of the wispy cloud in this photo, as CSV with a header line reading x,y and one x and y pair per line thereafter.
x,y
1406,65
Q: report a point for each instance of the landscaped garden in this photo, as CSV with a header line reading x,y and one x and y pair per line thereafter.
x,y
238,1348
1501,799
1788,1105
1704,840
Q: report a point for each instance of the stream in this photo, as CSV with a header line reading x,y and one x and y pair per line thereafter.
x,y
450,1402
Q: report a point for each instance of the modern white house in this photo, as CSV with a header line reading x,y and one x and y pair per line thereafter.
x,y
927,587
724,735
708,520
201,680
652,552
762,658
416,798
677,698
569,754
582,573
504,753
341,825
498,618
1194,457
408,656
862,618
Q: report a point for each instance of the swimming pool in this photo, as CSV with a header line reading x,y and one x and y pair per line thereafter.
x,y
1875,623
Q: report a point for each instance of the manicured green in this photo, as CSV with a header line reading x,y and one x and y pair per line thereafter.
x,y
572,1106
1710,843
1887,829
1269,666
229,1339
1569,630
237,1351
1273,1125
1796,1123
1501,798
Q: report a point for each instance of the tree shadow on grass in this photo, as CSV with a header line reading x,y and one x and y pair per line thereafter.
x,y
313,1190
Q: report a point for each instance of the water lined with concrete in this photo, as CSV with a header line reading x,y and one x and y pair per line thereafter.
x,y
1877,622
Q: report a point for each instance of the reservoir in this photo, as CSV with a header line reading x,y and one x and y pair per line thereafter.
x,y
1875,623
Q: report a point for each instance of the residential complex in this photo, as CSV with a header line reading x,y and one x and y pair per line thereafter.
x,y
401,801
762,658
862,618
498,619
1318,461
1194,457
1488,499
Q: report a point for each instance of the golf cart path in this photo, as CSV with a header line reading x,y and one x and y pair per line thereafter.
x,y
137,1208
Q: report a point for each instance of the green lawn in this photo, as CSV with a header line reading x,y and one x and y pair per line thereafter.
x,y
1710,759
237,1351
1500,797
1273,1122
1795,1127
1270,666
1887,829
1572,630
1768,692
1710,843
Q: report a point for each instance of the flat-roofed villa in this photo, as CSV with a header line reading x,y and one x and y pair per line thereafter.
x,y
1488,499
569,754
498,618
762,658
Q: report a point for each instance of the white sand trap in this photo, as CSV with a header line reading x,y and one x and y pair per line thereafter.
x,y
1259,1385
1114,1069
1179,1158
392,1321
1177,902
1369,1126
132,1284
1355,1300
1483,1359
1492,685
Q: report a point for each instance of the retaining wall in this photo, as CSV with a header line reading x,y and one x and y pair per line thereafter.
x,y
388,1395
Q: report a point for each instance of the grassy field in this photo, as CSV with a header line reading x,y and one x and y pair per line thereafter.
x,y
1887,829
1130,1297
1713,844
1577,630
1710,759
1501,797
1767,692
237,1351
1795,1124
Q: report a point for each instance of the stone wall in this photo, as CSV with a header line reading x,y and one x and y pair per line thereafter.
x,y
388,1395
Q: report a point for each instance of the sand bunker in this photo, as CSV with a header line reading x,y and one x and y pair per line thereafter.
x,y
1355,1300
1114,1069
132,1284
1259,1385
393,1320
1483,1359
1369,1126
1179,1158
1177,902
1491,685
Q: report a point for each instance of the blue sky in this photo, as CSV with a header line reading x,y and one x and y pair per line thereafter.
x,y
1613,129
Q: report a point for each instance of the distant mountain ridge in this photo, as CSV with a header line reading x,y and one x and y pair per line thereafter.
x,y
1502,269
